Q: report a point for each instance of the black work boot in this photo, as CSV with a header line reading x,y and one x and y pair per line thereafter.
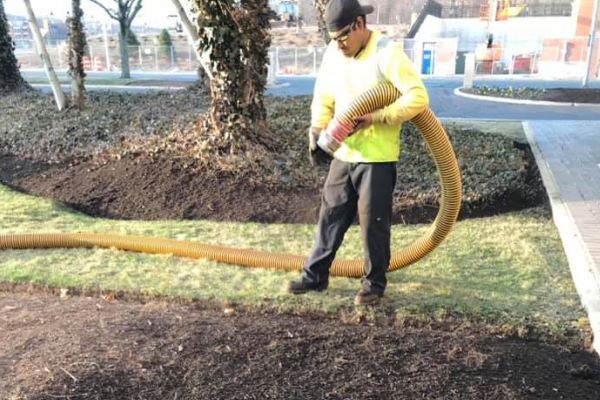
x,y
367,297
300,286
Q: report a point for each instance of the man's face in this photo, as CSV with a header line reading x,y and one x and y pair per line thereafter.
x,y
348,39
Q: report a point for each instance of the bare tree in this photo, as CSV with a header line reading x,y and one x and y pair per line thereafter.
x,y
10,76
77,43
235,34
41,47
124,14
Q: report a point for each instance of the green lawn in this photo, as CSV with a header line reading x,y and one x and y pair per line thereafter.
x,y
507,269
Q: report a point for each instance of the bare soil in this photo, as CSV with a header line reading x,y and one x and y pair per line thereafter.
x,y
165,188
91,347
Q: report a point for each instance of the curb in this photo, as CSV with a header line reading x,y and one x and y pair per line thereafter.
x,y
458,92
578,256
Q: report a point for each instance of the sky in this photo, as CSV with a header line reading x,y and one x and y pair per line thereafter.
x,y
154,13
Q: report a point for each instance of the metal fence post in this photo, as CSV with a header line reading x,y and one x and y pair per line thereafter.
x,y
156,58
295,60
92,58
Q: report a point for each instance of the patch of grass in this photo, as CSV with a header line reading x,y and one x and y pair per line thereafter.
x,y
507,269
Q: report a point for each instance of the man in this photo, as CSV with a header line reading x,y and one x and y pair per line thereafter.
x,y
362,174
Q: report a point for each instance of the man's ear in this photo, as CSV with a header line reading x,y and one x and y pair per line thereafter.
x,y
360,22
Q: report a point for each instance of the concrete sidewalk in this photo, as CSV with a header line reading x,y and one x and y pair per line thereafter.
x,y
568,156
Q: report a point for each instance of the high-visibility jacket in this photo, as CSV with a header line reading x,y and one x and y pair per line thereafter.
x,y
341,79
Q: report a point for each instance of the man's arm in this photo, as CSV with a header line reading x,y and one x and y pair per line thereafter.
x,y
397,68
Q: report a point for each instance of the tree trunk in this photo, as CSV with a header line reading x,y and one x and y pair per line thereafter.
x,y
10,76
39,41
123,40
77,43
235,34
320,6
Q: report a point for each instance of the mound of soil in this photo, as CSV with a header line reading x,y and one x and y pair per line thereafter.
x,y
99,348
165,188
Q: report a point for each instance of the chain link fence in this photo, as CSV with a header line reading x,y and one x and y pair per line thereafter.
x,y
545,58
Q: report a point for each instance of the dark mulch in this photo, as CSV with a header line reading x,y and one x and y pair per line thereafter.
x,y
142,188
559,95
571,95
93,348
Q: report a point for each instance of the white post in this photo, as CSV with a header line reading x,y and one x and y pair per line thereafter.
x,y
295,60
156,57
92,60
591,42
106,49
271,71
41,47
469,70
140,57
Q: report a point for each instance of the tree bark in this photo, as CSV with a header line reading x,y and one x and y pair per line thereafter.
x,y
123,40
320,6
77,43
192,34
10,76
39,41
235,35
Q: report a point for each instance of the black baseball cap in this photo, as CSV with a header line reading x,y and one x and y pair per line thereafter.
x,y
341,13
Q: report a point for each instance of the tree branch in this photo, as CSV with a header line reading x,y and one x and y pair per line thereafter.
x,y
108,11
137,8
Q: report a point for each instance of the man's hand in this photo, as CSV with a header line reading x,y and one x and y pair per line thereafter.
x,y
315,154
363,122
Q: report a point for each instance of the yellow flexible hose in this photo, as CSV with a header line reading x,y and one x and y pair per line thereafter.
x,y
439,146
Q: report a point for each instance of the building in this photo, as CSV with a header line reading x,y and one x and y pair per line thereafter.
x,y
507,36
19,31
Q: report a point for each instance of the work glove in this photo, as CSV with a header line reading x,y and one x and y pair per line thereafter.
x,y
316,155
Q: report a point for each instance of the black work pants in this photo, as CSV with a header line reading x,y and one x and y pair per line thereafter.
x,y
350,187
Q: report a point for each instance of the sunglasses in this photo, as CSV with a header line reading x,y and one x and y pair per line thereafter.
x,y
345,34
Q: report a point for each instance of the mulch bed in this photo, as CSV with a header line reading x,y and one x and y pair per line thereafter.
x,y
563,95
559,95
143,188
100,348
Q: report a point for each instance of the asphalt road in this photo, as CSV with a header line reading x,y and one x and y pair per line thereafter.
x,y
444,103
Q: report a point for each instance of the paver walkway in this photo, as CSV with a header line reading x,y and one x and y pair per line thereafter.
x,y
568,155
